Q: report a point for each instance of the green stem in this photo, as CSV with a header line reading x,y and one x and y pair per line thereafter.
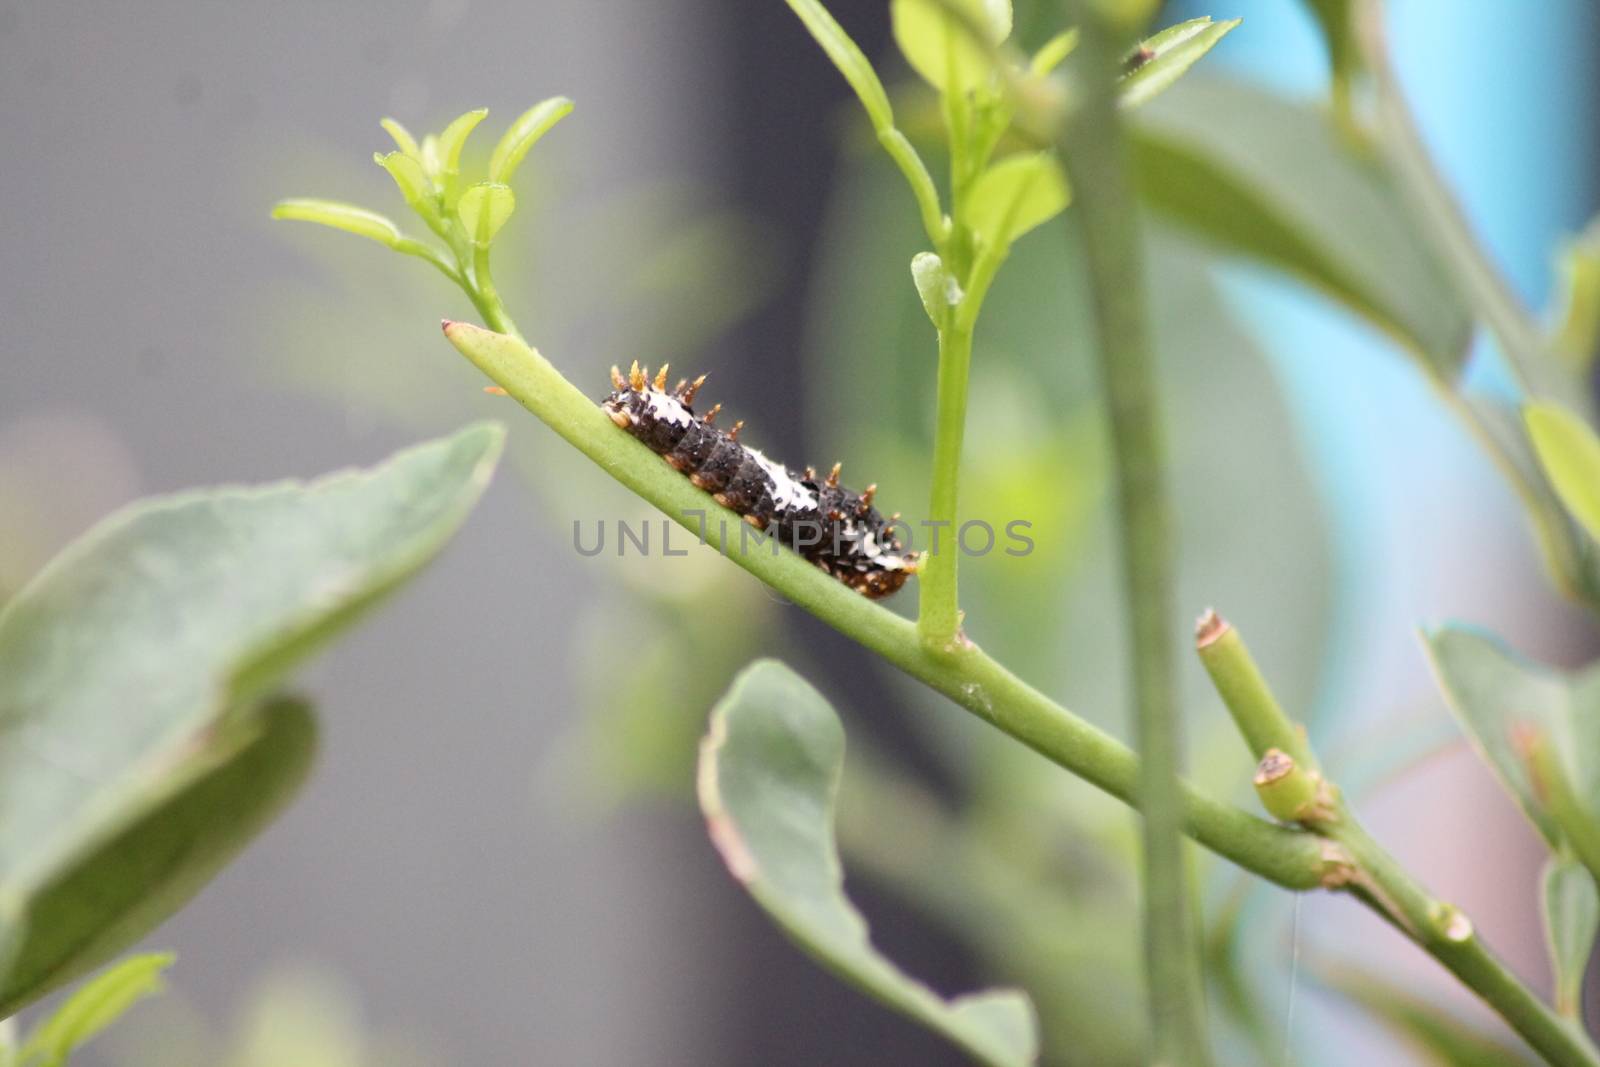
x,y
1361,866
939,618
1097,163
1446,934
1290,858
486,298
1256,712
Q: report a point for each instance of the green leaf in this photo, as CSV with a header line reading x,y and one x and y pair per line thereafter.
x,y
402,138
484,208
1539,728
1271,180
100,1002
409,176
1015,195
1575,332
1056,49
1571,910
136,880
133,675
1498,698
940,45
768,781
346,217
1169,55
523,134
1444,1039
847,57
1569,453
454,138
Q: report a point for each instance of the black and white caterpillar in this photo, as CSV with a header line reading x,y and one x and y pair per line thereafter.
x,y
836,528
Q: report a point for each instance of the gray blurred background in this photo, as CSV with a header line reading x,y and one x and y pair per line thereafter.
x,y
496,861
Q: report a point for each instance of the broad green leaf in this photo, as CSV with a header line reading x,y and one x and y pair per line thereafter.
x,y
524,134
484,208
1571,912
1575,331
138,751
847,57
402,138
1015,195
940,45
1569,453
1539,728
1445,1040
136,880
1169,55
409,176
768,782
1263,177
1497,697
100,1002
346,217
1056,49
454,138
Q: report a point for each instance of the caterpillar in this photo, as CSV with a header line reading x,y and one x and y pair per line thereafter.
x,y
834,527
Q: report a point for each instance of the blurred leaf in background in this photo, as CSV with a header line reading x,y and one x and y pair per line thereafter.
x,y
145,739
296,1015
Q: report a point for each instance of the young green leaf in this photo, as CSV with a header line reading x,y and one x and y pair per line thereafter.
x,y
1016,195
523,134
410,177
939,44
1168,55
1571,910
346,217
1575,331
1569,453
454,138
147,650
100,1002
847,57
1056,49
402,138
768,781
484,208
1271,180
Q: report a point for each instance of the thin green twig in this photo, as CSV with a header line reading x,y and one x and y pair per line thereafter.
x,y
1360,865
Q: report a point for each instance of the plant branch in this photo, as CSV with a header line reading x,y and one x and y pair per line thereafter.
x,y
1360,865
1097,163
1290,858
